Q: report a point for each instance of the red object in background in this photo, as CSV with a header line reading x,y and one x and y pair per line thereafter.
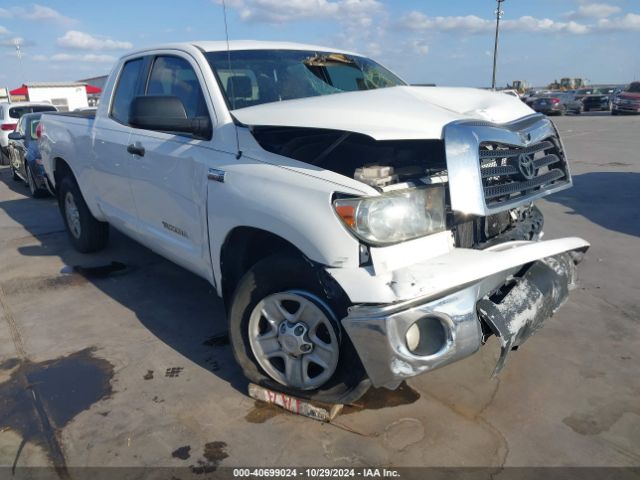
x,y
555,100
39,130
22,91
9,127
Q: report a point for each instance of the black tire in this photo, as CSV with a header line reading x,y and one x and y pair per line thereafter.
x,y
14,175
93,234
584,109
284,273
31,183
615,112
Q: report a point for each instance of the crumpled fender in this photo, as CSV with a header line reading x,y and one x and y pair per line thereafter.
x,y
445,273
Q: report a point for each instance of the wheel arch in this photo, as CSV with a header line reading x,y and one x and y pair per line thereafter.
x,y
242,248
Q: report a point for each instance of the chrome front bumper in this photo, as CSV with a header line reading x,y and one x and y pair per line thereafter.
x,y
451,326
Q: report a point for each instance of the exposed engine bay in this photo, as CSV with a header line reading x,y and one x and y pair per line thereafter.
x,y
397,164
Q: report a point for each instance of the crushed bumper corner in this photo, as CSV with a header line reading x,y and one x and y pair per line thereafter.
x,y
513,304
529,301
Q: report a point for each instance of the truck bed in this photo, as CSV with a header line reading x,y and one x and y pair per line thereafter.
x,y
82,114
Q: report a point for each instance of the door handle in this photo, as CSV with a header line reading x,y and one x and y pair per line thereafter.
x,y
134,149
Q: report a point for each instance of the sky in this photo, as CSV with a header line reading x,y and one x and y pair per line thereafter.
x,y
428,41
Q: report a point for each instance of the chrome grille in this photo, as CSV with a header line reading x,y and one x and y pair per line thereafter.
x,y
510,173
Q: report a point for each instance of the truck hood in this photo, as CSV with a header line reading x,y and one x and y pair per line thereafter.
x,y
395,113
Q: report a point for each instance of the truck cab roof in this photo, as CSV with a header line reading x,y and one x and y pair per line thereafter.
x,y
221,45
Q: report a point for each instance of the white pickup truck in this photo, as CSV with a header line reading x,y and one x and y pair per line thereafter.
x,y
360,230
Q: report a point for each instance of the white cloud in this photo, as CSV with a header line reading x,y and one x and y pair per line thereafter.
x,y
531,24
471,24
277,11
92,58
37,13
630,22
3,30
594,10
85,41
420,47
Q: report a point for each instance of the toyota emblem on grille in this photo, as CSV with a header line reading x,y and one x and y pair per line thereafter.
x,y
525,165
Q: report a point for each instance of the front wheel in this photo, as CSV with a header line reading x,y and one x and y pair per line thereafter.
x,y
286,335
86,232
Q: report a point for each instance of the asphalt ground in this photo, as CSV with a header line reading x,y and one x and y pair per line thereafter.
x,y
130,366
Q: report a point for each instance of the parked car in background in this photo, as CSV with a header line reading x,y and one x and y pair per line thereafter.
x,y
572,103
580,93
533,95
600,99
628,101
553,104
24,155
10,113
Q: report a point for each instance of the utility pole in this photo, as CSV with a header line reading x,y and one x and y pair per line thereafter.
x,y
16,43
499,13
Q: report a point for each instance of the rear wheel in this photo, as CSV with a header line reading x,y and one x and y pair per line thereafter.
x,y
87,234
286,335
14,175
31,182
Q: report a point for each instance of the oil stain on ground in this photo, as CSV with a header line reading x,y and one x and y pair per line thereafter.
x,y
182,453
377,398
214,453
263,411
73,276
98,271
39,399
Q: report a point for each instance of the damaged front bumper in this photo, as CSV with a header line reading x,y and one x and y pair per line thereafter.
x,y
403,339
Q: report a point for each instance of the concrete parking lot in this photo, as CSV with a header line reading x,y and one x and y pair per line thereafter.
x,y
131,366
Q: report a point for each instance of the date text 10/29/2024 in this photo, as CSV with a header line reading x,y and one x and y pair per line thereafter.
x,y
315,473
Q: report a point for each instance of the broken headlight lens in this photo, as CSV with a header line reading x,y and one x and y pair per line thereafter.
x,y
394,216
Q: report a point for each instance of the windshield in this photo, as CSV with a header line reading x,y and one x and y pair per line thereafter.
x,y
254,77
17,112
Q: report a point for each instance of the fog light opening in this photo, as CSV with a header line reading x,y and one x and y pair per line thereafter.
x,y
426,336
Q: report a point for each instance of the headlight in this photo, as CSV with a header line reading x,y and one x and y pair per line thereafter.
x,y
394,216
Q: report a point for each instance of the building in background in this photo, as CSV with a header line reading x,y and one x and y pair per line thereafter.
x,y
65,96
98,82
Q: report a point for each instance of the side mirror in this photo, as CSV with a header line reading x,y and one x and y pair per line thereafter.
x,y
166,114
16,136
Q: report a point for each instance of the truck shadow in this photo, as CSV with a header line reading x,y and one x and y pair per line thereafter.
x,y
609,199
179,308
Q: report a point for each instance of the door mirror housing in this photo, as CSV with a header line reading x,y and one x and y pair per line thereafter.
x,y
16,136
165,113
